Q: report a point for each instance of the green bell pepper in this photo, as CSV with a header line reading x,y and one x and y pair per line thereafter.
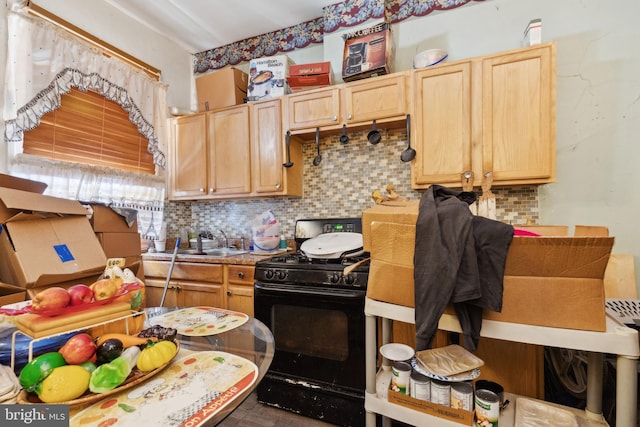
x,y
39,368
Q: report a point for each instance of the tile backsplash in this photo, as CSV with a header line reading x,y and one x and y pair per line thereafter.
x,y
340,186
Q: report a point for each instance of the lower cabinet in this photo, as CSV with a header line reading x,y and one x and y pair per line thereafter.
x,y
192,284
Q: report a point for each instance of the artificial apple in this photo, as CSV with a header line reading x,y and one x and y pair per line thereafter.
x,y
80,294
104,288
78,349
51,298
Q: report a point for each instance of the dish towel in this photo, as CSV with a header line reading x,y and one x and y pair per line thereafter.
x,y
459,258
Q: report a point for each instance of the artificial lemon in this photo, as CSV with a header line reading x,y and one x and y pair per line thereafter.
x,y
64,383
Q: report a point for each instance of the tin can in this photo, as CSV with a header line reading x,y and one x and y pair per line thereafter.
x,y
440,392
420,386
487,408
462,396
400,372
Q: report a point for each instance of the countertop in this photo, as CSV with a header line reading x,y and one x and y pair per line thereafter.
x,y
241,259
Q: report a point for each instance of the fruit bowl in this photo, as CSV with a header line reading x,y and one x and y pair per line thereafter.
x,y
135,378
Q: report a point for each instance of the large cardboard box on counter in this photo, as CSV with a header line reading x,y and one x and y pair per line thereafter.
x,y
45,240
120,245
549,281
11,294
105,219
223,88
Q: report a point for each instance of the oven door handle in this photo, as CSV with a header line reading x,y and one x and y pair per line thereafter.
x,y
312,291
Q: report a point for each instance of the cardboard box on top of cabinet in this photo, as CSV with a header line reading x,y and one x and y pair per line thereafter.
x,y
367,53
549,281
310,76
44,240
268,77
222,88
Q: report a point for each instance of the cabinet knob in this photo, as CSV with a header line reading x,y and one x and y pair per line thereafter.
x,y
334,118
211,190
202,190
177,287
241,275
228,293
349,116
277,186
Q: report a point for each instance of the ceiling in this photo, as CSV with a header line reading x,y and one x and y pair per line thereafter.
x,y
199,25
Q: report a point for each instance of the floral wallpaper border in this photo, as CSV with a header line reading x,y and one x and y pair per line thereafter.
x,y
345,14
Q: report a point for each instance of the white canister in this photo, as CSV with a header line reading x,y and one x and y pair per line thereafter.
x,y
440,392
487,408
400,372
462,396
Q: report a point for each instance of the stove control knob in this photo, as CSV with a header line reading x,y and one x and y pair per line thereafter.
x,y
349,279
282,274
268,274
334,278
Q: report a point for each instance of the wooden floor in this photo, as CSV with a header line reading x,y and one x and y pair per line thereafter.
x,y
251,413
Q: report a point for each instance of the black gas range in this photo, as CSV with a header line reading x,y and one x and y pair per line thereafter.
x,y
316,314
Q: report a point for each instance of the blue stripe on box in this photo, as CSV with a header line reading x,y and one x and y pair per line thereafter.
x,y
63,253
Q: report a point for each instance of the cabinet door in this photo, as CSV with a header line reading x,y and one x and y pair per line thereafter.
x,y
375,99
267,147
240,288
193,294
317,108
188,159
441,130
153,293
518,115
229,145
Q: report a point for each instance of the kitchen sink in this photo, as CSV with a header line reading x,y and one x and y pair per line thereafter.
x,y
218,252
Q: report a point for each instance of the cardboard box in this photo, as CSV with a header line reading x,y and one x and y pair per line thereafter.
x,y
11,294
267,77
533,33
223,88
107,220
452,414
549,281
45,240
120,245
367,53
310,76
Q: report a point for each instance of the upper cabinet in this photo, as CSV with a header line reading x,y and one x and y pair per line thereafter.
x,y
231,153
270,150
377,98
492,116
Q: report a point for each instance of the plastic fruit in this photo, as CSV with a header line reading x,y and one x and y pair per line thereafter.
x,y
51,298
39,368
64,383
104,288
80,294
78,349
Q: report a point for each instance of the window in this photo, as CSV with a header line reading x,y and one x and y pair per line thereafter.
x,y
90,129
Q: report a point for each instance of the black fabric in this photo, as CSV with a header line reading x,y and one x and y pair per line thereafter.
x,y
459,258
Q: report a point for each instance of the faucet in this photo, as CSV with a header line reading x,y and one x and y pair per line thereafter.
x,y
225,241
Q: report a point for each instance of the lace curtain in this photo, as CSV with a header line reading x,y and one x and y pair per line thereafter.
x,y
44,62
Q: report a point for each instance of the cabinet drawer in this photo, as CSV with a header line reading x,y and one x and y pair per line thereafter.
x,y
185,270
241,274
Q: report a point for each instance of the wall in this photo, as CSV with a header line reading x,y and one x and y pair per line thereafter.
x,y
598,93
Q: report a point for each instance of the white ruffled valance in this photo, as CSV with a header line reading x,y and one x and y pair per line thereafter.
x,y
45,62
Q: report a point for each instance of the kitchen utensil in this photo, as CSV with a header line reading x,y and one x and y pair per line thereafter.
x,y
487,202
333,245
374,136
344,139
467,185
173,262
409,153
318,158
287,139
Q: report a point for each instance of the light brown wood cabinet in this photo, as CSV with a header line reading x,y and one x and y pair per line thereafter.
x,y
239,288
493,114
192,284
209,155
378,98
269,152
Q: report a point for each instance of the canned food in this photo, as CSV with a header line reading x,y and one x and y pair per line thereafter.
x,y
420,386
462,396
400,372
487,408
440,392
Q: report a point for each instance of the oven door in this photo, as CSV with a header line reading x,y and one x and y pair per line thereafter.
x,y
318,333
